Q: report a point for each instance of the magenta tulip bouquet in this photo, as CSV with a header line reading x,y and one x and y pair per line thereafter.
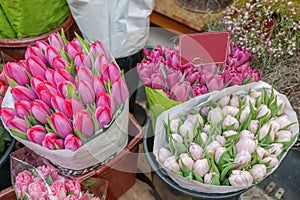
x,y
226,143
67,101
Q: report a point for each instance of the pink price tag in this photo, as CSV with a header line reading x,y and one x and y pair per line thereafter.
x,y
204,48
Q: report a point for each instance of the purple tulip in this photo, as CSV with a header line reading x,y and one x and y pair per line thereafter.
x,y
258,171
71,107
181,91
23,93
98,48
145,70
84,74
56,41
163,154
42,45
49,75
72,142
240,178
195,151
59,63
111,72
191,74
51,142
82,59
172,59
198,89
238,56
22,108
57,103
51,52
103,115
72,48
40,110
201,167
119,91
62,88
98,84
157,81
14,71
36,66
83,122
216,82
86,92
173,77
61,124
35,51
7,113
100,61
36,134
17,123
104,99
61,75
236,79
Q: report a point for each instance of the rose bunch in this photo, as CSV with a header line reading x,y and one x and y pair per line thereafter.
x,y
161,70
234,141
44,182
65,92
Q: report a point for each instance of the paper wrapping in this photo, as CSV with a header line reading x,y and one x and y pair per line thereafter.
x,y
95,151
160,139
122,25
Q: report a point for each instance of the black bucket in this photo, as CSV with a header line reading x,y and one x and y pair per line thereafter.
x,y
5,166
165,188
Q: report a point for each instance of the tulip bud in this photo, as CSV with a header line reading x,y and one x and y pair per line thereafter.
x,y
98,48
229,133
83,122
119,91
199,89
244,114
23,93
261,152
221,139
174,125
177,138
275,149
72,142
284,136
195,151
246,144
215,82
254,126
100,61
201,167
56,41
40,110
35,81
263,110
163,154
204,110
171,164
224,101
49,75
206,128
230,110
173,77
104,99
7,113
42,45
248,99
63,86
86,92
187,128
35,51
258,171
36,66
240,178
243,158
187,161
82,59
180,91
265,130
208,177
22,108
246,134
103,115
61,124
17,124
111,72
218,153
195,119
230,122
59,63
57,103
215,115
211,148
272,160
45,92
203,136
283,121
61,75
50,53
51,142
36,134
98,84
71,107
14,71
72,48
281,102
157,81
234,101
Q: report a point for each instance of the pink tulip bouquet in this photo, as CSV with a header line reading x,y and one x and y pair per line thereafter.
x,y
68,101
228,143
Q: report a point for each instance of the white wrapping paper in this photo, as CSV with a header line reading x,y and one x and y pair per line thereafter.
x,y
160,139
95,151
122,25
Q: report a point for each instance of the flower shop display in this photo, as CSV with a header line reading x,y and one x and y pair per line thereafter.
x,y
67,101
228,142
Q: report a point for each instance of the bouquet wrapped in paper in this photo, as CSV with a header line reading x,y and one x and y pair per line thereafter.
x,y
226,143
67,101
34,179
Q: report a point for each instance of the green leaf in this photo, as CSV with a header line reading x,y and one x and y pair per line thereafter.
x,y
10,81
91,110
82,137
197,176
19,134
181,148
214,166
63,36
185,170
72,93
215,180
226,170
223,159
49,180
83,43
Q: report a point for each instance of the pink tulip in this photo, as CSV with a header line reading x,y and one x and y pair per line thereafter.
x,y
59,63
84,74
104,99
186,160
173,77
23,179
198,89
195,151
23,93
17,124
45,93
240,178
7,113
145,70
201,167
36,134
103,115
216,82
86,92
157,81
49,75
14,71
172,59
243,158
35,81
51,142
263,110
119,91
98,84
40,110
61,124
62,88
50,53
258,171
72,142
58,190
111,72
37,190
83,122
163,154
57,103
82,59
61,75
100,61
98,48
45,170
36,66
35,51
191,74
171,164
73,185
42,45
72,48
56,41
180,91
22,108
71,107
